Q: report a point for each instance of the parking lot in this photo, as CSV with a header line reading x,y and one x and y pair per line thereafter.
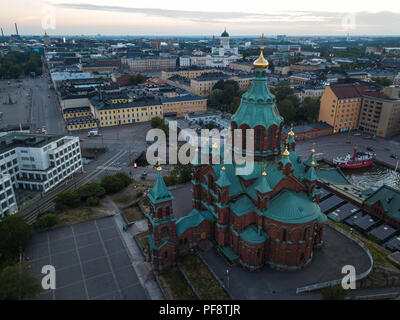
x,y
91,262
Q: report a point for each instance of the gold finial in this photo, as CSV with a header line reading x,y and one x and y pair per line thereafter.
x,y
261,62
159,169
286,152
291,133
265,170
223,165
313,148
313,163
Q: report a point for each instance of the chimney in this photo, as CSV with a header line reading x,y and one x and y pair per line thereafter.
x,y
16,29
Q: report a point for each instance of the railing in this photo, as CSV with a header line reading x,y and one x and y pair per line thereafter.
x,y
321,285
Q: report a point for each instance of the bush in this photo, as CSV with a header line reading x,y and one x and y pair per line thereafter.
x,y
124,178
46,221
112,184
115,183
67,199
93,201
91,190
334,293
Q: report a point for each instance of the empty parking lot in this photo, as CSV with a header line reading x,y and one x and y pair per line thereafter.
x,y
91,262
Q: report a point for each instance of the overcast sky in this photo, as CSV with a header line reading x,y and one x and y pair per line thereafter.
x,y
202,17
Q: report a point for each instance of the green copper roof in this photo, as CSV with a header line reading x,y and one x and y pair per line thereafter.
x,y
252,234
225,34
292,207
223,180
159,192
262,185
258,105
242,205
311,175
334,176
389,199
193,219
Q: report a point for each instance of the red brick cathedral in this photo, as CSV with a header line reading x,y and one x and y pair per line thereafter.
x,y
269,216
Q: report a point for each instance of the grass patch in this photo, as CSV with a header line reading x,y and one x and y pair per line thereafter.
x,y
142,241
379,253
176,286
133,213
81,214
127,195
207,287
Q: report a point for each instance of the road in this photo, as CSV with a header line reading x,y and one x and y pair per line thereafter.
x,y
45,111
329,147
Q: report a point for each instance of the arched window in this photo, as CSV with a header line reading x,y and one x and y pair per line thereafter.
x,y
259,139
284,235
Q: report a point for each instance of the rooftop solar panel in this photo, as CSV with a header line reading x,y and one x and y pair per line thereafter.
x,y
383,232
393,244
343,212
330,203
366,222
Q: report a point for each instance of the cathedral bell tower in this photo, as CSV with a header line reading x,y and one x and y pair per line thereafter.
x,y
258,111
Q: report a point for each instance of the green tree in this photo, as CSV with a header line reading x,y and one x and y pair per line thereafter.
x,y
68,198
112,184
124,178
15,236
382,81
46,221
282,90
17,283
136,79
92,201
91,190
310,108
286,110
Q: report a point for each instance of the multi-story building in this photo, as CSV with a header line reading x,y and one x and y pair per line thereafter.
x,y
189,73
380,112
184,104
8,203
340,106
149,63
38,162
119,108
203,85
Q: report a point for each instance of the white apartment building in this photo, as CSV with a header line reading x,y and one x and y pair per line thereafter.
x,y
38,162
8,203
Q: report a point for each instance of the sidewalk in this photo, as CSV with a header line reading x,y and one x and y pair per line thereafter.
x,y
142,268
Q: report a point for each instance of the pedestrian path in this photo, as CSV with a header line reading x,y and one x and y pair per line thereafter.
x,y
142,268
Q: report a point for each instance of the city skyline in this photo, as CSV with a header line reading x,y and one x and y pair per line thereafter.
x,y
178,18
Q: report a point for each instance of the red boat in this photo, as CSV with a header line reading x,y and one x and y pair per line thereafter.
x,y
358,160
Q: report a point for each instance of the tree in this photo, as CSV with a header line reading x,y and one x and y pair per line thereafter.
x,y
136,79
17,283
92,201
15,236
382,81
91,190
156,122
310,109
112,184
282,90
124,178
46,221
68,198
286,110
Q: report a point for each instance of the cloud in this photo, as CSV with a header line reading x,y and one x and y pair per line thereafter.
x,y
210,17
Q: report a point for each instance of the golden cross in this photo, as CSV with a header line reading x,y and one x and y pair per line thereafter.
x,y
262,40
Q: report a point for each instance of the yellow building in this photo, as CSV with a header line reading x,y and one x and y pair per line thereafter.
x,y
203,85
187,73
75,124
340,106
184,104
119,111
71,113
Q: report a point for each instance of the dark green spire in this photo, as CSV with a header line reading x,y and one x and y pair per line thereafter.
x,y
159,192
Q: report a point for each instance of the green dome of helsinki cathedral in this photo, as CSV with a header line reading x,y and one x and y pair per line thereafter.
x,y
224,34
